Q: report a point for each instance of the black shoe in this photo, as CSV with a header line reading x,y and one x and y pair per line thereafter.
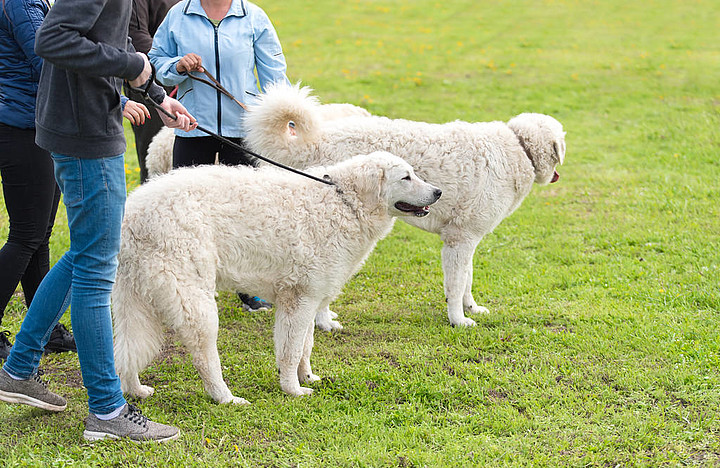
x,y
61,340
5,345
253,304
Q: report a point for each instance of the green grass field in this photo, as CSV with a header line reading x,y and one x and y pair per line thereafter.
x,y
601,346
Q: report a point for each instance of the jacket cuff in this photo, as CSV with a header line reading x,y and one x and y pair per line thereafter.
x,y
135,66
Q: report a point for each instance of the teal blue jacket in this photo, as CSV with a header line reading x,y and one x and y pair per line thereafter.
x,y
243,41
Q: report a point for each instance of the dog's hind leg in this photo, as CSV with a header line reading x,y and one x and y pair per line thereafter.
x,y
324,319
199,334
469,304
291,343
456,261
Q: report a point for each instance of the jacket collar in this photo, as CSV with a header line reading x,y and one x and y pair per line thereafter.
x,y
237,8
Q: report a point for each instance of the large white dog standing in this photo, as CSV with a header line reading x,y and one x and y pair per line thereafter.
x,y
484,169
185,235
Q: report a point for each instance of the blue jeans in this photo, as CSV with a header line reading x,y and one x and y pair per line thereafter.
x,y
94,195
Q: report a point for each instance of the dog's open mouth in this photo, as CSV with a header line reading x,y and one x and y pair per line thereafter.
x,y
418,211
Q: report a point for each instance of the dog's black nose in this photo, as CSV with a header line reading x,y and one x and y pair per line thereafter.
x,y
437,193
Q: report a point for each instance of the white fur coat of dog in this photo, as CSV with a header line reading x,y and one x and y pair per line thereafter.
x,y
292,240
484,169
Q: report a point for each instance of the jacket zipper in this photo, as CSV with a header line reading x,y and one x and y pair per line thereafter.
x,y
217,74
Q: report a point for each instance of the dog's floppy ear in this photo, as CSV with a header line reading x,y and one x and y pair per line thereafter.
x,y
559,149
364,175
370,179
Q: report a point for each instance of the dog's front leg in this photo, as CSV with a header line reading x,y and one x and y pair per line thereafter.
x,y
456,260
305,374
291,332
469,304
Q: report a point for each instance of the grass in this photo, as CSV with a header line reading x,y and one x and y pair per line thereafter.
x,y
601,347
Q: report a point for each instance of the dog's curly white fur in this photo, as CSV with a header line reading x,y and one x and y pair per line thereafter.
x,y
484,169
186,234
159,155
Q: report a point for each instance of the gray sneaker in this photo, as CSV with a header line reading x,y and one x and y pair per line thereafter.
x,y
131,425
32,391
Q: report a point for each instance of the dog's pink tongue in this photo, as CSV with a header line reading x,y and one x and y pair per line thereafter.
x,y
555,178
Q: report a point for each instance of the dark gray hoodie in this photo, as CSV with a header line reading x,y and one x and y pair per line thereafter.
x,y
87,54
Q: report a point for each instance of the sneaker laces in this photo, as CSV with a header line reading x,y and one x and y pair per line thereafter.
x,y
135,416
36,378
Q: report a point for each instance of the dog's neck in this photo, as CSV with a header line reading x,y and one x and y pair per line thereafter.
x,y
354,205
343,197
523,145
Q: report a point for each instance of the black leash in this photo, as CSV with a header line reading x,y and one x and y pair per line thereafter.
x,y
145,95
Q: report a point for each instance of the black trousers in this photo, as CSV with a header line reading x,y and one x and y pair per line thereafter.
x,y
31,199
195,151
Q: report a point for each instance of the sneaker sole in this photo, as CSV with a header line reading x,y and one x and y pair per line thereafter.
x,y
93,436
250,309
30,401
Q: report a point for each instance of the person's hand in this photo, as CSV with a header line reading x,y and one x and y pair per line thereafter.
x,y
184,120
135,112
142,78
190,62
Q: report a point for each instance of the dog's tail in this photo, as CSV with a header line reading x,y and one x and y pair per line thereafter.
x,y
283,116
159,153
138,331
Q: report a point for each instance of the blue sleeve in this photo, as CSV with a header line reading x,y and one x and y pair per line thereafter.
x,y
27,18
164,54
123,101
269,57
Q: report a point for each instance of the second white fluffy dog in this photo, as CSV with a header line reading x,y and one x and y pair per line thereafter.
x,y
485,169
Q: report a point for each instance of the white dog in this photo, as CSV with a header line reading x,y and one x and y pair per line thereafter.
x,y
159,154
484,169
185,236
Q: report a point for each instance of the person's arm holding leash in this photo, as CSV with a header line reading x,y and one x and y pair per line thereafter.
x,y
65,41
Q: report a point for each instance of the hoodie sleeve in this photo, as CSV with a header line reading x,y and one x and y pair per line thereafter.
x,y
63,40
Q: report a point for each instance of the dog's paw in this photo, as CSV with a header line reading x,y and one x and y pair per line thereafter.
x,y
328,326
309,378
476,309
143,391
238,401
299,391
332,314
464,322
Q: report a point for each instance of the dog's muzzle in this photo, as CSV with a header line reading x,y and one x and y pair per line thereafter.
x,y
418,211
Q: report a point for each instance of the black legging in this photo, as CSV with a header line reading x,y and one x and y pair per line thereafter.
x,y
195,151
31,198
